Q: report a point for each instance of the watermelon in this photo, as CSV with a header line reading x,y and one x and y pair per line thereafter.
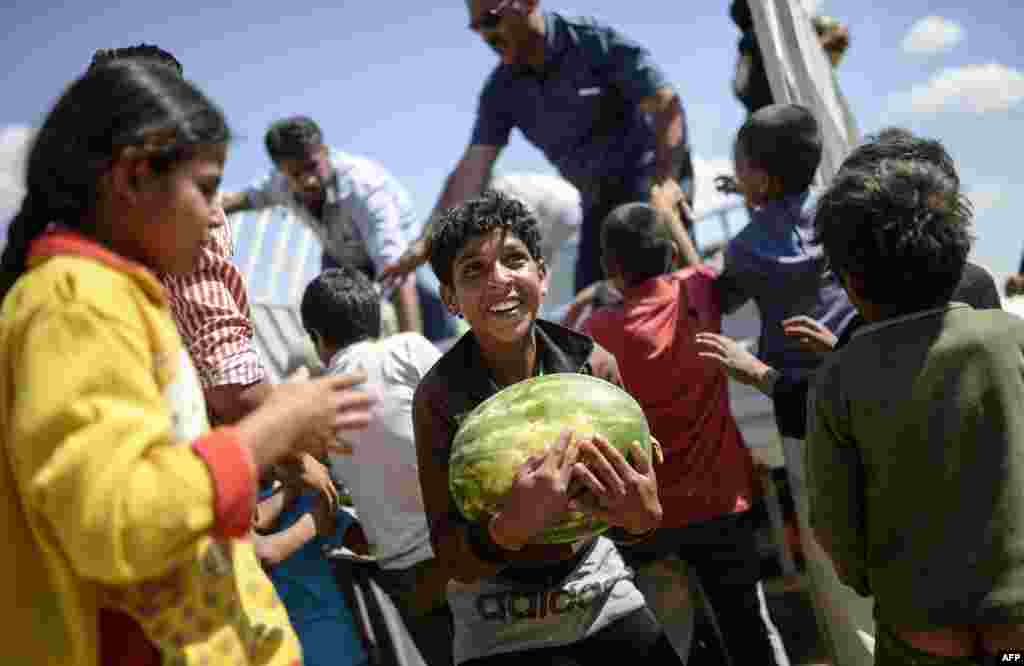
x,y
497,437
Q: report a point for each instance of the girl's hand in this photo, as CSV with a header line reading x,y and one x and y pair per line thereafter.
x,y
619,494
811,334
295,412
539,494
741,365
328,404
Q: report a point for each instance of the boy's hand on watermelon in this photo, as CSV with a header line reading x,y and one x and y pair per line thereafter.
x,y
539,494
619,494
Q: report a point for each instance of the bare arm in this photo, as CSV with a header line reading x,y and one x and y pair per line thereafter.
x,y
467,180
230,402
669,124
275,548
667,200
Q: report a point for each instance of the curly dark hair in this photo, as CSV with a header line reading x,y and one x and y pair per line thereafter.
x,y
342,306
900,227
140,52
290,138
476,217
898,143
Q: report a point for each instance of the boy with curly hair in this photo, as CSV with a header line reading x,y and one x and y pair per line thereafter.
x,y
916,430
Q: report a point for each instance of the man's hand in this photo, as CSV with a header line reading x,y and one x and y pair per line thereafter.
x,y
619,494
393,275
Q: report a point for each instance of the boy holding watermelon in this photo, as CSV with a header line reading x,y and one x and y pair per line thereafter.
x,y
706,480
511,597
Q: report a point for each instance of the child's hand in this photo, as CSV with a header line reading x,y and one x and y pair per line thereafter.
x,y
619,494
315,476
325,516
741,365
329,404
539,494
811,333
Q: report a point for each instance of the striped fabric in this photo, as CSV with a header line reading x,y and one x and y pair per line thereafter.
x,y
211,309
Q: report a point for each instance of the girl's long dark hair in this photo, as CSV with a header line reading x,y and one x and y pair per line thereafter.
x,y
111,107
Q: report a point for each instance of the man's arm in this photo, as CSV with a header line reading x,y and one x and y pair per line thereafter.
x,y
467,180
229,403
669,130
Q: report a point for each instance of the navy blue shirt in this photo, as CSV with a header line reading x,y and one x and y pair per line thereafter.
x,y
582,109
774,262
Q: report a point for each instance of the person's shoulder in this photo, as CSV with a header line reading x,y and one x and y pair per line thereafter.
x,y
449,366
94,284
412,347
359,169
581,28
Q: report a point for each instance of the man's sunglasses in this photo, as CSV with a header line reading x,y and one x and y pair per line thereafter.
x,y
490,19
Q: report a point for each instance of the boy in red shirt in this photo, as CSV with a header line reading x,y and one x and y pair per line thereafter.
x,y
706,481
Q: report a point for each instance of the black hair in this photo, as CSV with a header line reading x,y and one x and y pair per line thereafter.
x,y
342,307
900,143
901,228
636,237
140,52
476,217
122,104
784,141
291,138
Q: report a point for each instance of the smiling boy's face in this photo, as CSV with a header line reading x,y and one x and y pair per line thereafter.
x,y
498,286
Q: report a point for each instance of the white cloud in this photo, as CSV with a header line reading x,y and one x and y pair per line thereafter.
x,y
974,88
14,144
705,171
932,34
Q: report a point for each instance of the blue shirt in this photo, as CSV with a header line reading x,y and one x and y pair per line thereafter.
x,y
307,588
775,263
582,109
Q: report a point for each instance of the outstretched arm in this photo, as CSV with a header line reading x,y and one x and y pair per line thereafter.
x,y
466,181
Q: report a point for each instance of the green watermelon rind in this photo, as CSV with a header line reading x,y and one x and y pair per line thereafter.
x,y
475,456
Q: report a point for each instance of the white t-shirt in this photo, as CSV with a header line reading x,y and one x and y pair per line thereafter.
x,y
381,473
554,201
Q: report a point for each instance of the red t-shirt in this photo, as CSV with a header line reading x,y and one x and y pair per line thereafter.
x,y
708,470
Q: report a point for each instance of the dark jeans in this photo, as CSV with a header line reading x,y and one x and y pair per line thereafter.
x,y
438,323
635,636
723,554
418,593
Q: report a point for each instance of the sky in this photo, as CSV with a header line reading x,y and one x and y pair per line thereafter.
x,y
398,81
